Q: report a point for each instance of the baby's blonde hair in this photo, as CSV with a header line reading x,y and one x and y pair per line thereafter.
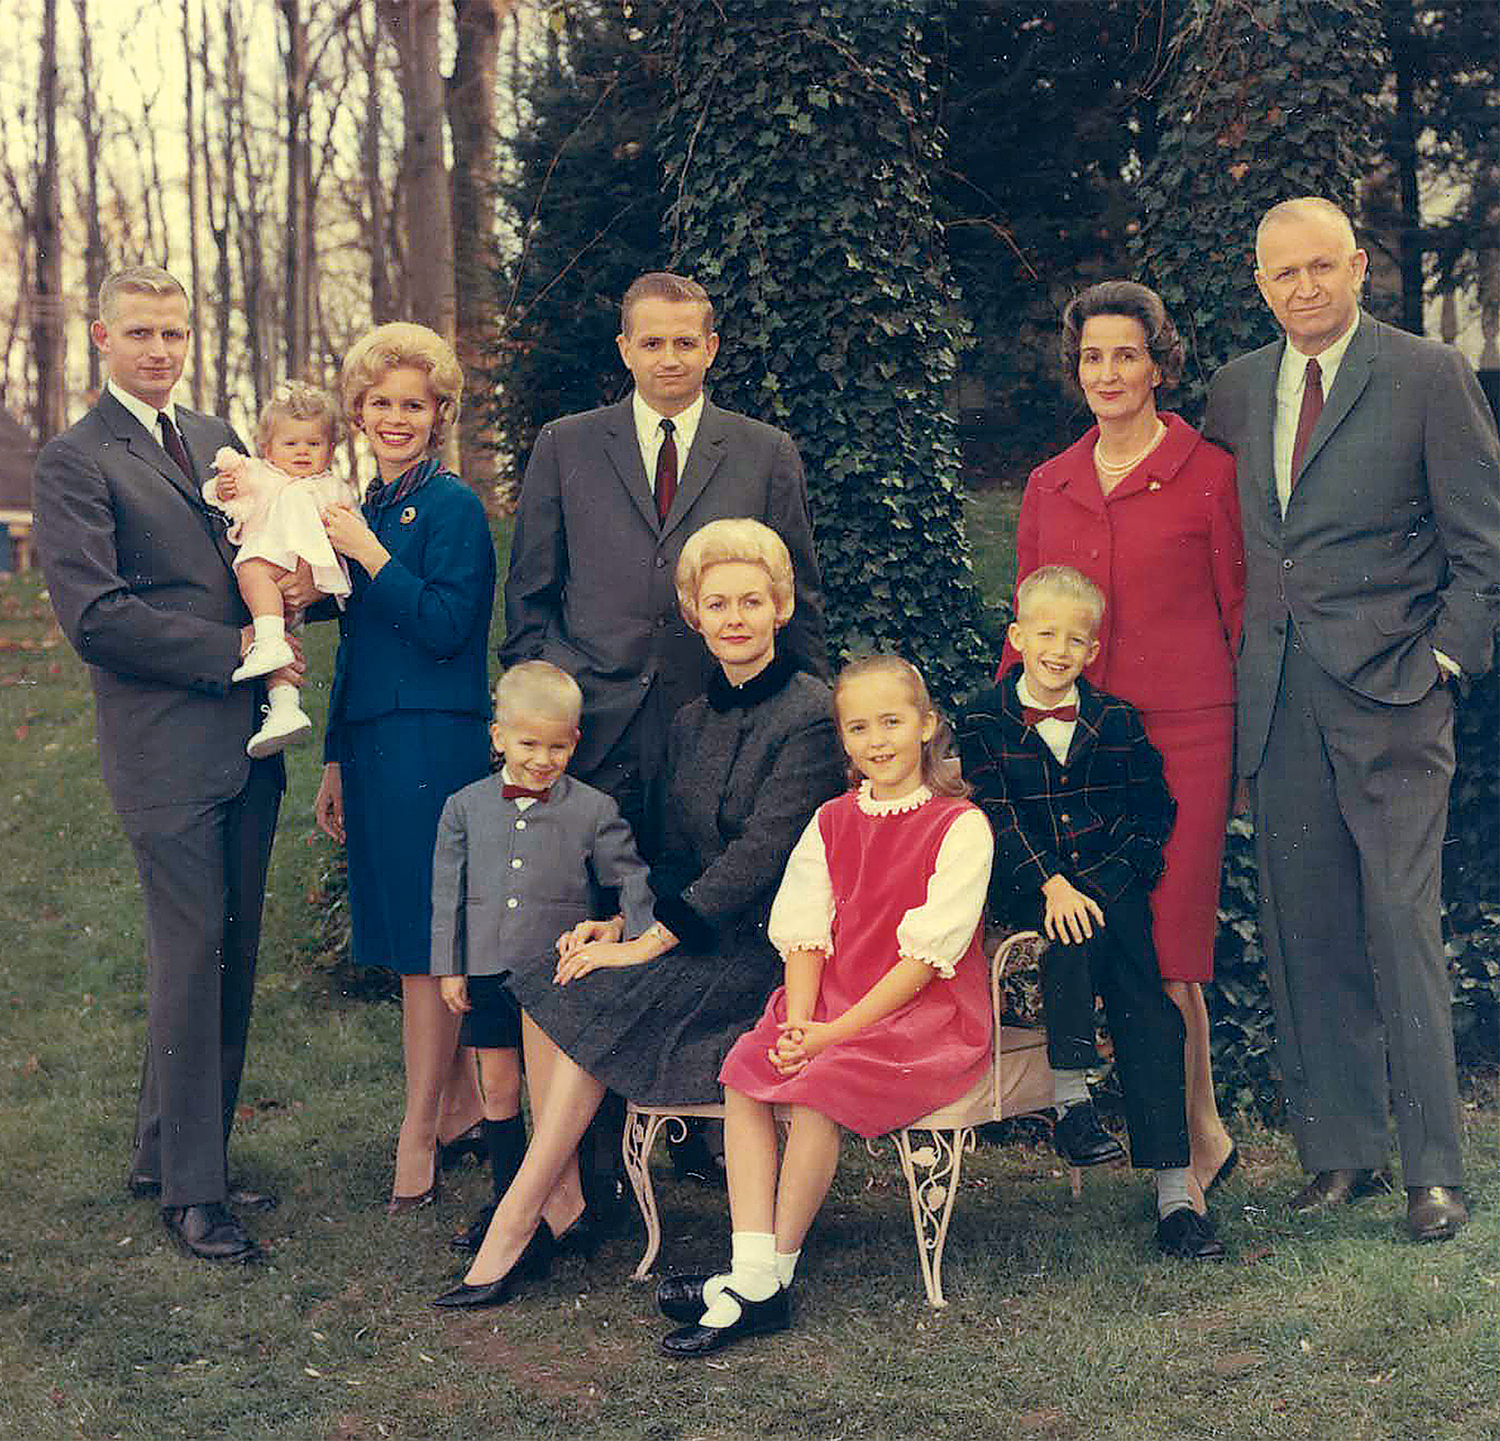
x,y
296,400
940,771
392,346
537,688
724,541
1064,581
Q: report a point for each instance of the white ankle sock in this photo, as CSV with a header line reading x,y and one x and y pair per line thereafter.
x,y
269,627
786,1266
1172,1192
1069,1089
752,1274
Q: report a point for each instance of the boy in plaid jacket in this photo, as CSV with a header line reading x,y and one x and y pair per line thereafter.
x,y
1075,794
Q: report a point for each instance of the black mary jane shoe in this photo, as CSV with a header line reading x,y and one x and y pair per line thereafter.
x,y
471,1239
680,1298
467,1143
757,1318
1186,1236
533,1262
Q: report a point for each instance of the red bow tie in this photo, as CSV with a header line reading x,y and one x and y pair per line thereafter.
x,y
1031,714
510,792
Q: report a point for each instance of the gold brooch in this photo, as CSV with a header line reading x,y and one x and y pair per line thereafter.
x,y
408,515
1154,485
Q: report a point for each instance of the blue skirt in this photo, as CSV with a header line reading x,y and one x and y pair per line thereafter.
x,y
397,771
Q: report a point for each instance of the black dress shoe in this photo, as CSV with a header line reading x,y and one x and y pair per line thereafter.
x,y
533,1261
471,1239
1185,1234
1082,1141
756,1318
1434,1213
680,1298
466,1143
693,1161
209,1231
143,1186
1338,1188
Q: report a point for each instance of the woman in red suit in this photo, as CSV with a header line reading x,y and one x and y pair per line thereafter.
x,y
1147,509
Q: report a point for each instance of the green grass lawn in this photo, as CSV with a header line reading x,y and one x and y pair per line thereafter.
x,y
1062,1323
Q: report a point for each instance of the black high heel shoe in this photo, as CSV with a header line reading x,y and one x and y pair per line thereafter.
x,y
467,1143
533,1263
582,1238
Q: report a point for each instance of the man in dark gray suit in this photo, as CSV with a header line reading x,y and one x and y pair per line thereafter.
x,y
139,574
1367,462
609,497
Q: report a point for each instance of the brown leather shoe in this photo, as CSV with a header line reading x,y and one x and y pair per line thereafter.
x,y
1434,1213
1337,1188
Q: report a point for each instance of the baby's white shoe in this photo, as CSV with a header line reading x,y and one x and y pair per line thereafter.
x,y
285,724
262,658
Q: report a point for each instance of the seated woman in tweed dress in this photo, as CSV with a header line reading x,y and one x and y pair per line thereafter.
x,y
653,1018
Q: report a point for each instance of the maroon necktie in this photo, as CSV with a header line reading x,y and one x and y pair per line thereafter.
x,y
1307,418
171,442
666,471
510,792
1031,714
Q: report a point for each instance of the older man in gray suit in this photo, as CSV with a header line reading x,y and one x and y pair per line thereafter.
x,y
1367,463
139,574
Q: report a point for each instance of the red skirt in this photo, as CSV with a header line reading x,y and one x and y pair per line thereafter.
x,y
1197,750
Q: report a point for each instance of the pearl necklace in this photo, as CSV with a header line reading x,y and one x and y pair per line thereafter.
x,y
1118,470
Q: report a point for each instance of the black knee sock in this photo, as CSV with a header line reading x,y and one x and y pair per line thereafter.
x,y
506,1142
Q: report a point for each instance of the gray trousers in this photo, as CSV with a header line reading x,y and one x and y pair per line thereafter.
x,y
1351,805
203,879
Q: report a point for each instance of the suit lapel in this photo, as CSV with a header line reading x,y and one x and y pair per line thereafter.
x,y
709,445
199,440
1260,459
622,448
1348,385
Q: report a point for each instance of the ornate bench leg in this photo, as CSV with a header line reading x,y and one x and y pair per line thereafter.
x,y
932,1197
635,1144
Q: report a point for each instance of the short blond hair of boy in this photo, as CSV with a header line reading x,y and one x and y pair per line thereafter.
x,y
742,540
1067,584
297,400
537,688
393,346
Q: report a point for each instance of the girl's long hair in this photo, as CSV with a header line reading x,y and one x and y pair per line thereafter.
x,y
940,769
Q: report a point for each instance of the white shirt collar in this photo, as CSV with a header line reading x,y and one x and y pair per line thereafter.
x,y
1024,692
143,412
648,425
1293,371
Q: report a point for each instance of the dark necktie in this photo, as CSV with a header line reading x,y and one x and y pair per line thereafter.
x,y
666,471
1307,417
171,442
510,792
1031,714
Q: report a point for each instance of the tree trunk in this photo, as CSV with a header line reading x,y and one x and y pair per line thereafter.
x,y
471,123
95,261
48,328
1401,39
413,25
299,216
382,306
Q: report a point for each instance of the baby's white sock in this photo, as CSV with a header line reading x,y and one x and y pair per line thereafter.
x,y
280,694
269,627
752,1274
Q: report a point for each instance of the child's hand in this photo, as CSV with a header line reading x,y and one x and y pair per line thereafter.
x,y
798,1043
586,931
226,487
1070,914
455,993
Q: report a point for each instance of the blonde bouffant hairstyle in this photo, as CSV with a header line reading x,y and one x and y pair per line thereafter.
x,y
297,400
745,541
940,768
390,347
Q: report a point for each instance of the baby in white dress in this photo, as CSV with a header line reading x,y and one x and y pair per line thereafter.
x,y
275,504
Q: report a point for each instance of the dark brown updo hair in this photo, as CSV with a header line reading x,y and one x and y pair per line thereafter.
x,y
1137,302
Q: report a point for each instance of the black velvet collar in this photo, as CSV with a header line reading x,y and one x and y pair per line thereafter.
x,y
762,686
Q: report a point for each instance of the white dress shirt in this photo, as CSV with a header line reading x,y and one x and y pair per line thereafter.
x,y
649,433
1290,383
1057,735
144,412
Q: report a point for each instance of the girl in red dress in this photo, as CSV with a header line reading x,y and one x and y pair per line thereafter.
x,y
885,1012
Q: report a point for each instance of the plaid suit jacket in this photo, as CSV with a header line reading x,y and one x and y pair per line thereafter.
x,y
1100,820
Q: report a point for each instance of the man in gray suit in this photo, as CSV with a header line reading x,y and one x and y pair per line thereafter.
x,y
609,497
1367,462
608,500
139,574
